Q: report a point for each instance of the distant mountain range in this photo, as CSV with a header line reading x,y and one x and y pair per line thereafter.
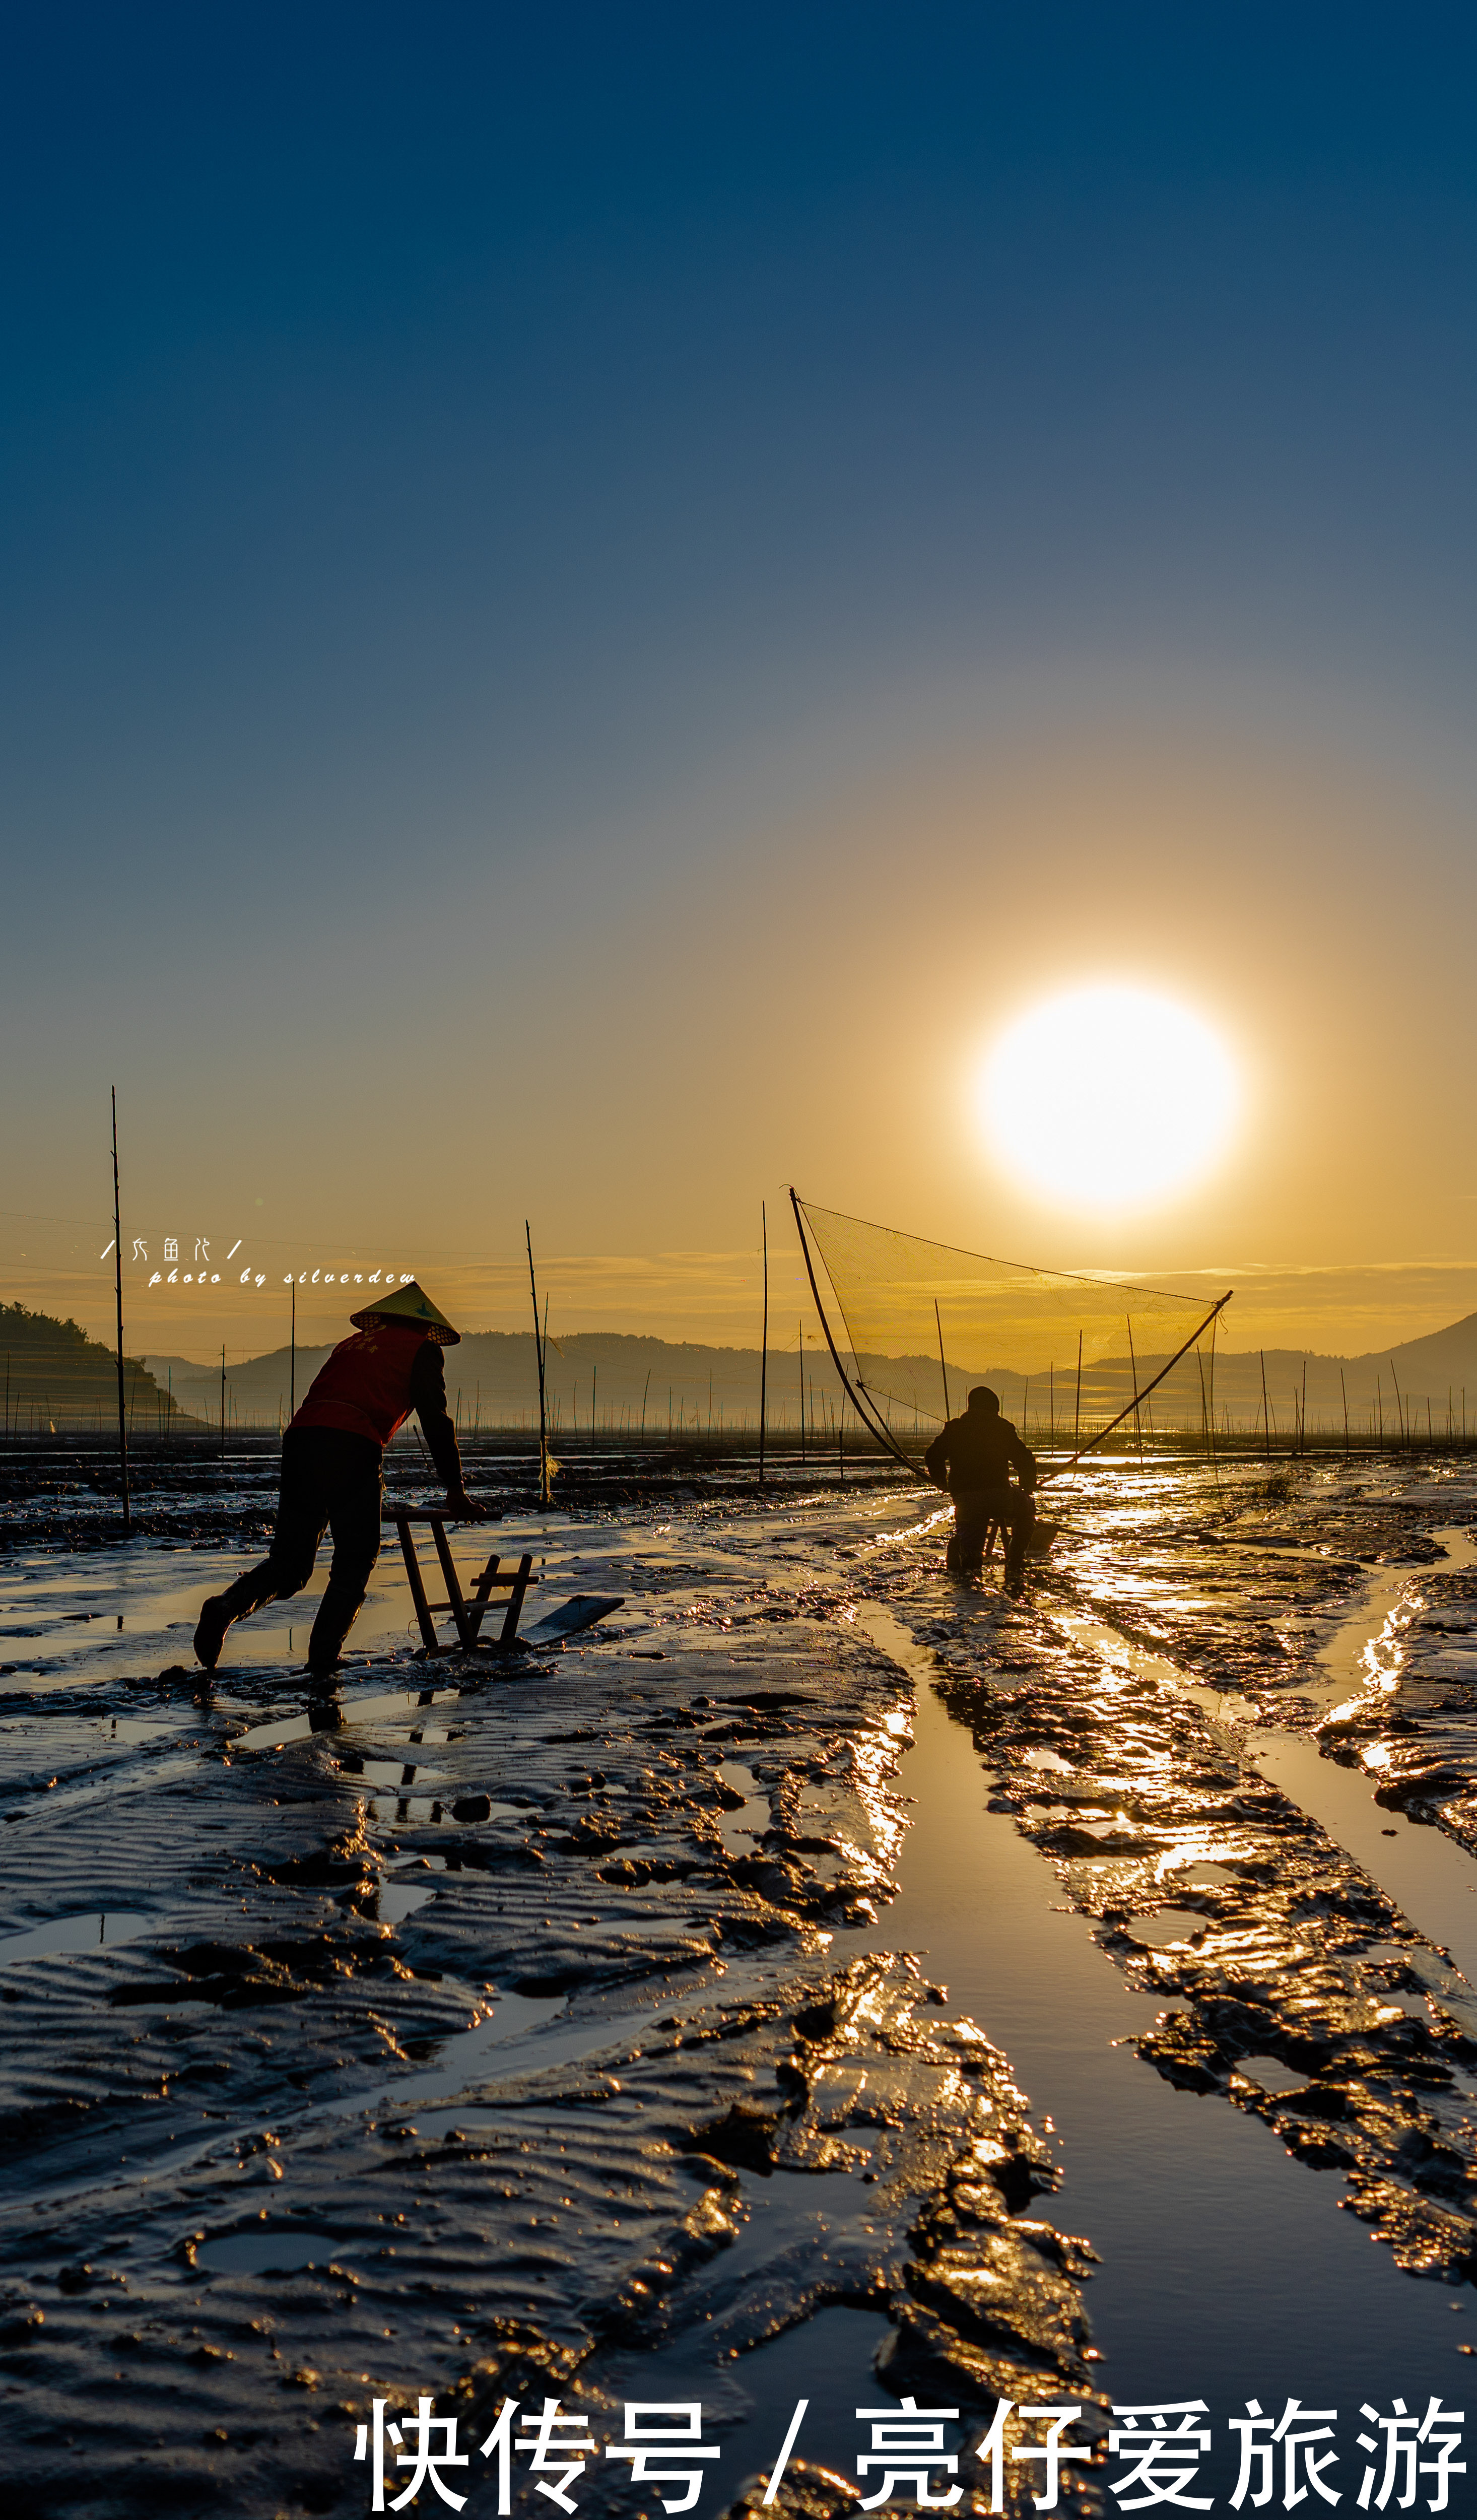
x,y
53,1375
492,1379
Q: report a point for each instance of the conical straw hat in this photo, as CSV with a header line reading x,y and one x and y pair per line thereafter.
x,y
410,1309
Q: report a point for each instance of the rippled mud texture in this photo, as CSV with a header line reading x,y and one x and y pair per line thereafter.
x,y
1413,1729
492,2085
1237,1571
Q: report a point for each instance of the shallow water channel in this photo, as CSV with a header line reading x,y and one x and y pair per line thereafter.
x,y
1226,2271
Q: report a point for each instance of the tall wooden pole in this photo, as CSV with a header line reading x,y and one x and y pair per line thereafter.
x,y
802,1392
292,1364
538,1345
1077,1403
763,1340
1214,1463
117,1288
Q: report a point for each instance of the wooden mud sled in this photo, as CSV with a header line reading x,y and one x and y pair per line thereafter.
x,y
467,1615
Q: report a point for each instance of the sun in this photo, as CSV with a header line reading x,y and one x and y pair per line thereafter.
x,y
1108,1097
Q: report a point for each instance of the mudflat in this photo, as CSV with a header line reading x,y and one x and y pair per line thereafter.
x,y
826,1980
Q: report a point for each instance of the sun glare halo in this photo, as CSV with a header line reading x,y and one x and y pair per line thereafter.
x,y
1108,1097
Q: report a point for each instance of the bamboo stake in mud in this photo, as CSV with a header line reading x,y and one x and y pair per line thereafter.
x,y
1265,1409
645,1388
1400,1414
223,1404
1344,1396
538,1350
292,1366
1303,1413
802,1394
942,1367
762,1340
1077,1403
117,1288
1133,1370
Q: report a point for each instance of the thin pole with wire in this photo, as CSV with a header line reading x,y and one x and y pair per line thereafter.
x,y
763,1339
117,1288
538,1348
1134,1370
802,1392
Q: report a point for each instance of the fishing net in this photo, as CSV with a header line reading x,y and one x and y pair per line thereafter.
x,y
1066,1355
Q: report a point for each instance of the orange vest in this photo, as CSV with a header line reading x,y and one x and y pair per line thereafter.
x,y
363,1389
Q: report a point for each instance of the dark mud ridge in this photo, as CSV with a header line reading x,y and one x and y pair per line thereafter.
x,y
526,2076
65,1492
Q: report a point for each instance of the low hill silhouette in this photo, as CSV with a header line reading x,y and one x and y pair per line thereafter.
x,y
55,1379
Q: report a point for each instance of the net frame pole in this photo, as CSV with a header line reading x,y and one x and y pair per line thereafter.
x,y
1214,1314
869,1417
942,1367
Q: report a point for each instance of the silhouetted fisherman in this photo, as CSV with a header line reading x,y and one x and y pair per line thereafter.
x,y
332,1465
973,1459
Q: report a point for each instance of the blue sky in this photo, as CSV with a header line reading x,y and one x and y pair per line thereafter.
x,y
493,501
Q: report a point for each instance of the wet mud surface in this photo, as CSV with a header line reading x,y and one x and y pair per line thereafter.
x,y
578,2025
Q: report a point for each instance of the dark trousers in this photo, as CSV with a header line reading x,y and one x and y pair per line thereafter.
x,y
975,1509
329,1480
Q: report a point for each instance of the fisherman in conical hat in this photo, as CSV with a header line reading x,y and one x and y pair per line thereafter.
x,y
333,1458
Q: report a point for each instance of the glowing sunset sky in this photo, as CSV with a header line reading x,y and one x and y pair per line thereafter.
x,y
594,601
